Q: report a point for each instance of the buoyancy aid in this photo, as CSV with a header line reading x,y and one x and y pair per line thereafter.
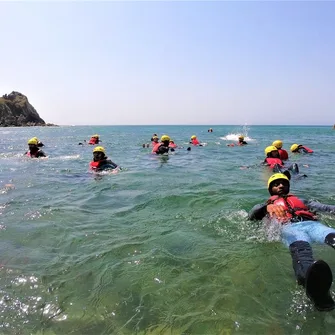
x,y
94,165
93,140
295,209
283,154
195,142
273,161
306,149
172,145
156,147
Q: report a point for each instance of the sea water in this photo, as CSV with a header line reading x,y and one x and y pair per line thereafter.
x,y
163,246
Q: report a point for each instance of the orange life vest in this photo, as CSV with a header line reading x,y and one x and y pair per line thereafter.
x,y
283,154
273,161
93,140
295,209
94,165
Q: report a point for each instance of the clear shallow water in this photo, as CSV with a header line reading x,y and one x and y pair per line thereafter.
x,y
162,247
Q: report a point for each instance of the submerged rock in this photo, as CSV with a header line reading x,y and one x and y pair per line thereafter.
x,y
16,111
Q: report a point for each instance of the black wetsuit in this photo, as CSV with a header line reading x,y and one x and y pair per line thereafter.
x,y
162,149
106,164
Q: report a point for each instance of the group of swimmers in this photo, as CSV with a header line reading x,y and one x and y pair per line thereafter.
x,y
276,156
166,144
100,161
300,225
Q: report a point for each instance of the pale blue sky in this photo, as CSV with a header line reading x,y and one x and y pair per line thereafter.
x,y
171,62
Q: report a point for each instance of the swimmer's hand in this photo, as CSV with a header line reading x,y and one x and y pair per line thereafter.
x,y
276,211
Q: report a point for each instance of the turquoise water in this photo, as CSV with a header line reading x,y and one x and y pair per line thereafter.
x,y
162,247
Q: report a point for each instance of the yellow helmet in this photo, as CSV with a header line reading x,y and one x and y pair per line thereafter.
x,y
277,176
294,147
96,136
241,137
99,149
165,138
278,144
193,137
33,141
154,137
270,149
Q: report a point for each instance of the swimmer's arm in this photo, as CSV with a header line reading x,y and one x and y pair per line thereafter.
x,y
109,162
319,207
258,212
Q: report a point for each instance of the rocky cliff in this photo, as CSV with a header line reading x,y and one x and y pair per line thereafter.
x,y
15,110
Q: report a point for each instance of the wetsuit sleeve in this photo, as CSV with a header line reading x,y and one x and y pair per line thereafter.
x,y
319,207
257,212
110,163
40,153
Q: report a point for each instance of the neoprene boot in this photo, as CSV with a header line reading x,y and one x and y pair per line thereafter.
x,y
315,276
302,259
319,279
330,240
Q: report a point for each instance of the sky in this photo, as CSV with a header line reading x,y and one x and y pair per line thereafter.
x,y
170,63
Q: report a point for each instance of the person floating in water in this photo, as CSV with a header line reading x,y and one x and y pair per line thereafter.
x,y
154,140
100,161
34,151
172,144
241,140
273,160
299,148
163,147
153,136
300,227
95,139
283,155
195,141
210,130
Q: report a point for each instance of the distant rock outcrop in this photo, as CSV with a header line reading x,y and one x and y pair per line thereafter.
x,y
16,111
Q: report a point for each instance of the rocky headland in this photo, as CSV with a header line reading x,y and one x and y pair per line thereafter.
x,y
16,111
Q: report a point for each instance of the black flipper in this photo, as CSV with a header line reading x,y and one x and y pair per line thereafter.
x,y
319,279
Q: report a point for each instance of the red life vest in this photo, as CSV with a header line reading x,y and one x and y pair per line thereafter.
x,y
308,150
195,142
172,145
283,154
273,161
94,165
156,146
93,140
295,209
